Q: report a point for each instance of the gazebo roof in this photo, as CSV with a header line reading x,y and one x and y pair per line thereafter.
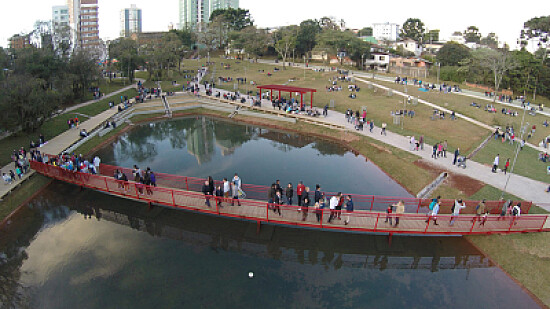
x,y
287,88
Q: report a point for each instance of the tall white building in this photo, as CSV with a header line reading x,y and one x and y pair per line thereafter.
x,y
386,31
60,25
193,13
130,21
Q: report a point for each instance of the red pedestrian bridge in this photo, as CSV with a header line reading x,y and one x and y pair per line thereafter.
x,y
182,192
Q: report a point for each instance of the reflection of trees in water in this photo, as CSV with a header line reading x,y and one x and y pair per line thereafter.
x,y
12,256
137,149
328,149
230,136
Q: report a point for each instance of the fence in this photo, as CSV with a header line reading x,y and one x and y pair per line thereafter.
x,y
250,209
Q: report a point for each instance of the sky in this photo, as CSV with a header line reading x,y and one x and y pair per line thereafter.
x,y
489,15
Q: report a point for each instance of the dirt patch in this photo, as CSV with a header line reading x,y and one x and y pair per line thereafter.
x,y
465,184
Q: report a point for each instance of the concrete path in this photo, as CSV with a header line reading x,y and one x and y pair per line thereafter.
x,y
63,141
522,187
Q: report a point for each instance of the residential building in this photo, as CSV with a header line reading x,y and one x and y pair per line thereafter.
x,y
60,26
195,14
433,48
410,46
130,21
411,67
457,38
378,61
83,18
386,31
20,41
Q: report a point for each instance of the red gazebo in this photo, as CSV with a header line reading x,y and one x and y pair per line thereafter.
x,y
289,89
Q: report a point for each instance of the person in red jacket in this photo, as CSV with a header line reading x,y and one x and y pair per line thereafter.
x,y
299,191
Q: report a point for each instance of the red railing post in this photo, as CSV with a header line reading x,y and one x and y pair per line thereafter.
x,y
106,184
512,224
529,208
321,221
173,199
136,189
376,224
186,184
267,212
372,203
543,223
419,204
428,224
473,225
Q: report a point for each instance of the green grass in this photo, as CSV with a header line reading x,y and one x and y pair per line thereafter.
x,y
527,164
458,133
87,147
53,127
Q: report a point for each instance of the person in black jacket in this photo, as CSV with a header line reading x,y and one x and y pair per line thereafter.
x,y
318,194
289,194
305,203
206,192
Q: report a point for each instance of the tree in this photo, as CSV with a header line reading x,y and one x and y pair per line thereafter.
x,y
452,53
413,29
491,40
497,62
285,41
538,28
26,102
237,19
125,51
327,23
342,41
307,34
367,31
472,35
251,39
83,72
432,36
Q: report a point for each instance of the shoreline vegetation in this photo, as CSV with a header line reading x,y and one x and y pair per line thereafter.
x,y
523,256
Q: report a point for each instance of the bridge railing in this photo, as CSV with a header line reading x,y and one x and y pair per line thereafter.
x,y
361,202
365,221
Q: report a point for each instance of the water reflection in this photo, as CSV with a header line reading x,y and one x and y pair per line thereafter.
x,y
91,244
201,146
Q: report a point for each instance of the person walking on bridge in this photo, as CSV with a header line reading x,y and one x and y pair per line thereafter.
x,y
455,210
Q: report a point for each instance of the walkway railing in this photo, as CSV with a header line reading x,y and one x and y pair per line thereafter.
x,y
361,202
359,221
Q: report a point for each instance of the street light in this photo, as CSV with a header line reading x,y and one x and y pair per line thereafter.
x,y
518,148
438,68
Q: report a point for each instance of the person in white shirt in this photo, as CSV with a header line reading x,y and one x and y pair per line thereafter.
x,y
334,201
96,161
495,163
459,205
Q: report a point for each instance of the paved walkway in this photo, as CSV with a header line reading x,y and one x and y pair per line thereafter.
x,y
63,141
522,187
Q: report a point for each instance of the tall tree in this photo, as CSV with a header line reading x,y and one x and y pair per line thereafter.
x,y
497,62
432,36
237,19
125,51
367,31
26,102
285,42
251,39
472,35
491,40
306,39
413,29
452,54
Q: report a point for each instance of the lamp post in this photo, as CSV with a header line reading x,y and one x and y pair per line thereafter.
x,y
524,127
304,67
438,68
362,62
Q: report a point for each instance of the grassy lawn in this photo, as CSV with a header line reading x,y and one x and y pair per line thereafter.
x,y
459,133
180,78
53,127
527,164
461,104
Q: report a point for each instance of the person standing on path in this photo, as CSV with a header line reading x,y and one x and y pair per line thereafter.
x,y
506,166
413,142
333,204
434,210
399,210
421,140
439,149
97,162
445,148
495,163
236,188
206,191
457,153
349,209
305,203
434,151
384,125
371,126
480,210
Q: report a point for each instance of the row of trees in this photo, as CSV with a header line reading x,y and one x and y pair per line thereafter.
x,y
36,81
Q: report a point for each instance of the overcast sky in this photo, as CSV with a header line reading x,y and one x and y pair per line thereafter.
x,y
503,18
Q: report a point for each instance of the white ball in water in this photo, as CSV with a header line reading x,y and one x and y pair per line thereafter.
x,y
250,275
